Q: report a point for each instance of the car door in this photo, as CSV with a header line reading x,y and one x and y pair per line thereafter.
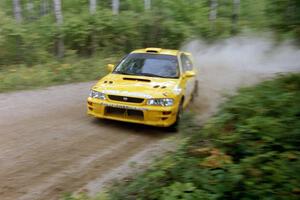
x,y
188,82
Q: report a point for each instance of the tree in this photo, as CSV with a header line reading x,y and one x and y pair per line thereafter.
x,y
30,9
17,10
115,6
93,6
58,12
235,16
59,22
44,7
213,13
213,10
147,4
284,16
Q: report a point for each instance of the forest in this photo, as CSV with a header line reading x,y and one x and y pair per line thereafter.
x,y
40,31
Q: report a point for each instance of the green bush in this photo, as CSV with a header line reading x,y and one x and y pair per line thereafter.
x,y
18,77
249,150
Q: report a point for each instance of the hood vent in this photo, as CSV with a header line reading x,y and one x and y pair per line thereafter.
x,y
136,79
153,50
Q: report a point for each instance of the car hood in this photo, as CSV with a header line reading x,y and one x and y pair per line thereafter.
x,y
138,86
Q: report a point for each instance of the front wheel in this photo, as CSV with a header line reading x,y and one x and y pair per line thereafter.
x,y
175,126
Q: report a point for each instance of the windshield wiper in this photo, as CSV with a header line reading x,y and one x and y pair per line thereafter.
x,y
153,75
124,73
142,74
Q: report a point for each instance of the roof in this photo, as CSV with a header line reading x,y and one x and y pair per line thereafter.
x,y
158,51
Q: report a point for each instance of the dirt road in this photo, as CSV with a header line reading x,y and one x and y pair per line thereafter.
x,y
48,146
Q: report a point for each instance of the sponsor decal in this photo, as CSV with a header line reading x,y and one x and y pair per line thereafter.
x,y
123,106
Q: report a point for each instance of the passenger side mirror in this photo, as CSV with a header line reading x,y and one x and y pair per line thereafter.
x,y
110,67
189,74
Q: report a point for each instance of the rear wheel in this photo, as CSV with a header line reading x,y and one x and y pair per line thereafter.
x,y
195,91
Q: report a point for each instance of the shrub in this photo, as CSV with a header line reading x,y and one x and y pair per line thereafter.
x,y
249,150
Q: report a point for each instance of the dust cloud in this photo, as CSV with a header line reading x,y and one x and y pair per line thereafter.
x,y
227,65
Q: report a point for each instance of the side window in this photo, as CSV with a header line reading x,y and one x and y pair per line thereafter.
x,y
186,62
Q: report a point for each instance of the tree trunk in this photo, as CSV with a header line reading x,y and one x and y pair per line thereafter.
x,y
213,10
147,4
213,13
115,6
93,6
59,22
17,10
235,16
58,12
30,9
44,7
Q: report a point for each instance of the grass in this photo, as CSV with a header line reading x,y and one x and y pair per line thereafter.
x,y
249,150
20,77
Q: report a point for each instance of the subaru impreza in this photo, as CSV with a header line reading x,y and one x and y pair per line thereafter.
x,y
149,86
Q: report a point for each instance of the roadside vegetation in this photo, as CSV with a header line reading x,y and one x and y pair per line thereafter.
x,y
43,35
248,150
21,77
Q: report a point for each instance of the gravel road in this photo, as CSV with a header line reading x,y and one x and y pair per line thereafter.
x,y
49,146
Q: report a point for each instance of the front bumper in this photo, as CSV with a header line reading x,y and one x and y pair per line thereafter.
x,y
134,113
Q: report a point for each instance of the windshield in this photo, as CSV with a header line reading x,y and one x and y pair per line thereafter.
x,y
154,65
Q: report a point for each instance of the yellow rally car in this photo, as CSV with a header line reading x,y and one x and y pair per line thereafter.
x,y
150,86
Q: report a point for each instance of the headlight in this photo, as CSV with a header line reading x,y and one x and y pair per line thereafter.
x,y
98,95
160,102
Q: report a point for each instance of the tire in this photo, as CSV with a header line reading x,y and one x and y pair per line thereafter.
x,y
195,91
174,127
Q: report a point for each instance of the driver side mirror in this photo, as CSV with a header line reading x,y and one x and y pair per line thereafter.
x,y
189,74
110,67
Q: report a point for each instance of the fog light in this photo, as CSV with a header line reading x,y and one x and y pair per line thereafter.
x,y
167,112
